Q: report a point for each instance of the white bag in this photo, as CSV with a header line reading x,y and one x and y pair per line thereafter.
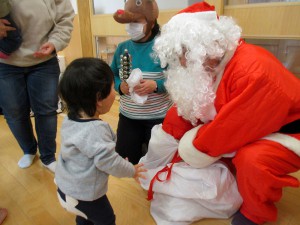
x,y
189,194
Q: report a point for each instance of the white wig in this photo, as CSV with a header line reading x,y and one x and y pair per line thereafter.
x,y
202,34
199,36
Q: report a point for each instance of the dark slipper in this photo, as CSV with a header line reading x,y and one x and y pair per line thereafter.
x,y
240,219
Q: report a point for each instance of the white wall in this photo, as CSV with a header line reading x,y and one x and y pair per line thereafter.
x,y
102,7
174,4
74,4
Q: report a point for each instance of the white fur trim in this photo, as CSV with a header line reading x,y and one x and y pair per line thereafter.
x,y
287,141
190,154
207,16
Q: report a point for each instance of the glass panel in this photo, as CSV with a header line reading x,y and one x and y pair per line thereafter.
x,y
106,46
238,2
102,7
287,51
74,4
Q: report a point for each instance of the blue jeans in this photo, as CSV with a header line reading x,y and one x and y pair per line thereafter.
x,y
35,87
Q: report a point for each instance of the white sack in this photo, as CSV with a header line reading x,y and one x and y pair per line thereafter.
x,y
191,194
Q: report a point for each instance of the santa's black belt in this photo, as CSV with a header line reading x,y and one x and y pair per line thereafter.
x,y
291,128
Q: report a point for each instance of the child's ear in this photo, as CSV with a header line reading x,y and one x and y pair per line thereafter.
x,y
99,106
99,103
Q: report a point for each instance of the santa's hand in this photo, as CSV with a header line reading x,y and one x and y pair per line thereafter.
x,y
175,125
145,87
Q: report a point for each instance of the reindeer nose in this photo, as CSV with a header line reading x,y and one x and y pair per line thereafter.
x,y
120,11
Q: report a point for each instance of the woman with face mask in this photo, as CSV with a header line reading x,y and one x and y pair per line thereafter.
x,y
137,118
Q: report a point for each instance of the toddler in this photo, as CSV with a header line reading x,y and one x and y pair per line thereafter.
x,y
87,156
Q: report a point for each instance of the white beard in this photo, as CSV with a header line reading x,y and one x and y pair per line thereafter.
x,y
191,89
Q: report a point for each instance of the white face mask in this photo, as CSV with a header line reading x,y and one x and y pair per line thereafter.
x,y
135,31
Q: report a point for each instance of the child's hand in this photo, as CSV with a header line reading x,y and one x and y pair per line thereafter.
x,y
139,172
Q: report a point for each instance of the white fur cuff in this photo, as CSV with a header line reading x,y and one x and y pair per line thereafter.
x,y
287,141
190,154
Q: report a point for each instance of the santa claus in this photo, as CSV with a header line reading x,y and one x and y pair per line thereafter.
x,y
234,99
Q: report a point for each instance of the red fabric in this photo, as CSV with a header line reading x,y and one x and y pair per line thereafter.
x,y
255,97
175,125
198,7
262,169
229,164
168,169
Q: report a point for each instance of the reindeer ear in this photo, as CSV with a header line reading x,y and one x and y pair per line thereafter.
x,y
137,10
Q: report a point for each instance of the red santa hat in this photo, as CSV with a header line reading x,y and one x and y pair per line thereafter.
x,y
198,7
199,10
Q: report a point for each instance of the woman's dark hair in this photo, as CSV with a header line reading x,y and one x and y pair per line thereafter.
x,y
85,81
156,28
155,31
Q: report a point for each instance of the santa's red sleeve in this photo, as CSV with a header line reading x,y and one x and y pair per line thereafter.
x,y
255,98
174,124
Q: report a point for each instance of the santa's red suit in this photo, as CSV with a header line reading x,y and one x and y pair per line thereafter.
x,y
258,112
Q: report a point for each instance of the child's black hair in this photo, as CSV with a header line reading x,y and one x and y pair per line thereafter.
x,y
85,81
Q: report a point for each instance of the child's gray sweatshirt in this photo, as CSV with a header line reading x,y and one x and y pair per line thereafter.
x,y
87,157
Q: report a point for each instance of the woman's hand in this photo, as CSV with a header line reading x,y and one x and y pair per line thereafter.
x,y
4,28
124,88
45,50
